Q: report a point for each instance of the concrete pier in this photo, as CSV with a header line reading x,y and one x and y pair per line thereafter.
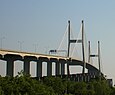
x,y
39,68
59,64
10,68
26,66
49,68
62,62
57,68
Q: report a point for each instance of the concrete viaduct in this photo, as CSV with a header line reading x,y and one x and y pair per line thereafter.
x,y
11,56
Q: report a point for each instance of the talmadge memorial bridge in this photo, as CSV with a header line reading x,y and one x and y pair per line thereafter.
x,y
11,56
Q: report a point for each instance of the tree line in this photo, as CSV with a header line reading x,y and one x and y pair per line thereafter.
x,y
23,84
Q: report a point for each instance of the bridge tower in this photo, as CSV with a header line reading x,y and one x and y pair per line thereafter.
x,y
74,41
68,72
83,49
96,55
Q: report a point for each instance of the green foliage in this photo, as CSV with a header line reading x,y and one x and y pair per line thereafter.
x,y
80,88
112,91
23,84
57,84
101,88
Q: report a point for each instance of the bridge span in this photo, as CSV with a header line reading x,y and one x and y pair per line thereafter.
x,y
11,56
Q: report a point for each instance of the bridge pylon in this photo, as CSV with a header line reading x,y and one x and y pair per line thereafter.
x,y
76,41
95,55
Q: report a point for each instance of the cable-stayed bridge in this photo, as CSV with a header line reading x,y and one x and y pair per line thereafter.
x,y
67,57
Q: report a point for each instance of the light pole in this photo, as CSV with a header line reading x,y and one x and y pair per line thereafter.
x,y
46,49
20,45
35,47
1,39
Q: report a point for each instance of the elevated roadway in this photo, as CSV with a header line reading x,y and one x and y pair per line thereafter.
x,y
10,56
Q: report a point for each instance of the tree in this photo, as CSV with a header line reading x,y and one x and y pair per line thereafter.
x,y
101,87
23,84
57,84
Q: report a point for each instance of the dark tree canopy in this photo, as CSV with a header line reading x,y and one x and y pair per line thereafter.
x,y
23,84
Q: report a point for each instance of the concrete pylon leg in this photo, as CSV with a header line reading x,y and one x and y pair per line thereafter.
x,y
27,66
10,68
49,69
62,68
39,68
57,68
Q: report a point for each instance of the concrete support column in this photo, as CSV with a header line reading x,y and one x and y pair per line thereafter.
x,y
62,68
10,67
57,68
62,62
39,68
49,68
27,66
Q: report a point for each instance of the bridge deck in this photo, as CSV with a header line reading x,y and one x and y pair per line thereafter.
x,y
3,52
